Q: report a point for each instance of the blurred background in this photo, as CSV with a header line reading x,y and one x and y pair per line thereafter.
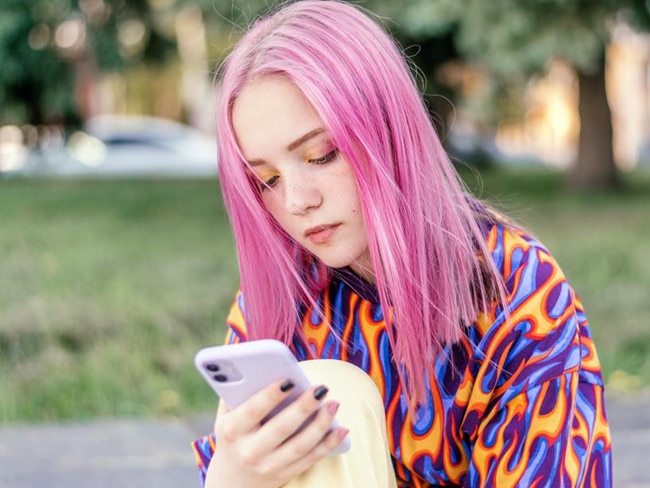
x,y
116,261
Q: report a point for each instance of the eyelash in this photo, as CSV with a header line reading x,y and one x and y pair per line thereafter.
x,y
329,157
268,183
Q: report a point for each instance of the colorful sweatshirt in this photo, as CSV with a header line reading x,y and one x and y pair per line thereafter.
x,y
519,402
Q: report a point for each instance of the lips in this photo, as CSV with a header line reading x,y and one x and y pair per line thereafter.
x,y
321,233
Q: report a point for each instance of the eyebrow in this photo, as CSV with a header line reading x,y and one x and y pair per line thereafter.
x,y
301,140
293,145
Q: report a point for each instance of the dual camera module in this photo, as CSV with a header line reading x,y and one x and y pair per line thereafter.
x,y
217,376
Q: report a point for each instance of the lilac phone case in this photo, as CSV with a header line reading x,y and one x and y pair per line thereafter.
x,y
237,371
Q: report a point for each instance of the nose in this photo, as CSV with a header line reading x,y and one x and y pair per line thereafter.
x,y
301,194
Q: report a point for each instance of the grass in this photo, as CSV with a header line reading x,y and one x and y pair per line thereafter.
x,y
107,289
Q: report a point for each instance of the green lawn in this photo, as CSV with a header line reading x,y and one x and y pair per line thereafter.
x,y
108,288
106,291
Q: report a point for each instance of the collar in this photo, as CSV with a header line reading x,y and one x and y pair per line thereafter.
x,y
358,285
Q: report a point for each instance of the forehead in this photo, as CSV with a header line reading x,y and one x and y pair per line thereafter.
x,y
270,113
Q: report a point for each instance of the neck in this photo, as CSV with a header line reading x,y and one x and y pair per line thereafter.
x,y
364,272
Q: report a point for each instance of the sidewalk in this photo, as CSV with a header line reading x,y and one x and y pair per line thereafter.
x,y
156,453
630,424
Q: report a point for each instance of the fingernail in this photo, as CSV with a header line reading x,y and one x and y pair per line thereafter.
x,y
332,408
320,392
286,386
342,433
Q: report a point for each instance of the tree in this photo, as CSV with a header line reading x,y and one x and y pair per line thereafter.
x,y
516,38
31,77
51,51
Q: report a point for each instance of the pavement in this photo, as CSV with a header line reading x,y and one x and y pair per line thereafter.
x,y
156,452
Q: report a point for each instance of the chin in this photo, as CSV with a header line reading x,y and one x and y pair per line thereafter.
x,y
337,261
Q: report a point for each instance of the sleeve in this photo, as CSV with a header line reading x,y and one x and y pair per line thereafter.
x,y
541,420
549,435
205,446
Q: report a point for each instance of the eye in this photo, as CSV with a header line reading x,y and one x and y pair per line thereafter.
x,y
269,183
330,156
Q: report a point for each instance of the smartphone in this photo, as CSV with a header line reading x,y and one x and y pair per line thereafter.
x,y
237,371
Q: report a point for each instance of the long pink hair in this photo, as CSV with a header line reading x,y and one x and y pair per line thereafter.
x,y
427,249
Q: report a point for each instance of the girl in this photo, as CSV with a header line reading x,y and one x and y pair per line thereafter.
x,y
469,358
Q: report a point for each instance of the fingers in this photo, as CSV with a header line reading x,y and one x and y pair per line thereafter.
x,y
306,430
331,441
222,409
247,417
294,417
287,444
311,444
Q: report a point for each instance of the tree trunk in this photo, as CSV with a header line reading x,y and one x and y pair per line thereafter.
x,y
595,167
86,86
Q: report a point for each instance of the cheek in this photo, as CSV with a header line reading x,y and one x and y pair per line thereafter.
x,y
271,201
276,210
354,201
346,184
270,204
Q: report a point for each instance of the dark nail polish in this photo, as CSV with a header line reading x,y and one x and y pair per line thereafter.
x,y
320,392
286,386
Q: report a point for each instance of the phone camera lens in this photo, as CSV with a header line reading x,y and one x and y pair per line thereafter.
x,y
221,378
212,367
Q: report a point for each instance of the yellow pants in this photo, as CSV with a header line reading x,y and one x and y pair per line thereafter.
x,y
367,464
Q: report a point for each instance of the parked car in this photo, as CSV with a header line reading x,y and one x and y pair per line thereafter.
x,y
127,146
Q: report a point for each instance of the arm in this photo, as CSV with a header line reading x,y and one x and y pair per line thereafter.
x,y
553,434
541,416
267,455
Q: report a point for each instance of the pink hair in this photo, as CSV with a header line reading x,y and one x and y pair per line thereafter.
x,y
422,228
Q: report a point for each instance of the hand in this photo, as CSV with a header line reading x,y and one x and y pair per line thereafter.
x,y
268,456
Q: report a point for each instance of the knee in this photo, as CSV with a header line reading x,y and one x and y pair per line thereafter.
x,y
348,384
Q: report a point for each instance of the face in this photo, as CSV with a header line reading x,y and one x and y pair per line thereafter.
x,y
306,184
